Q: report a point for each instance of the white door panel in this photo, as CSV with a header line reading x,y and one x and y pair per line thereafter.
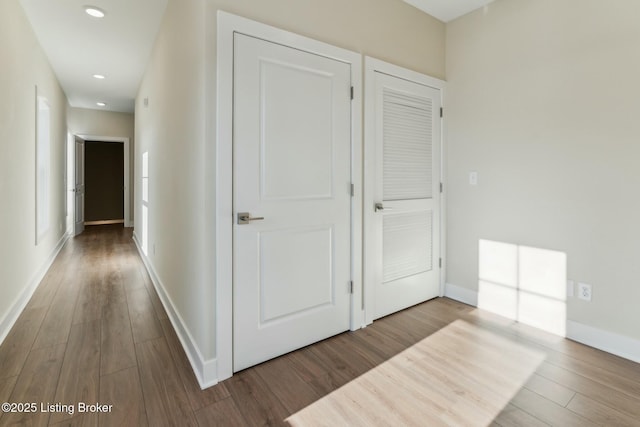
x,y
292,145
79,188
404,248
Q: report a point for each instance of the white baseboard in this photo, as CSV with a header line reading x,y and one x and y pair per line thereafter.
x,y
625,347
610,342
463,295
23,299
206,370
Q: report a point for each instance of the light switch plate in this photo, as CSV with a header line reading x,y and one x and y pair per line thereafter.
x,y
473,178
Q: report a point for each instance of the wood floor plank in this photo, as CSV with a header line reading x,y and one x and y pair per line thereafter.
x,y
445,310
76,421
307,365
117,348
320,376
49,285
589,388
259,406
165,398
378,341
144,323
550,390
155,301
36,383
57,323
131,278
223,413
157,304
12,359
333,352
439,363
610,362
600,375
197,397
565,352
512,416
80,374
599,413
91,296
16,346
6,388
293,392
547,411
485,358
122,390
418,326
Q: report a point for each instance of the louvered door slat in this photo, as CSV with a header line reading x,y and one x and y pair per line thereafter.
x,y
407,150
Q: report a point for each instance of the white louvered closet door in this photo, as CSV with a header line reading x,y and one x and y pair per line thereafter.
x,y
406,208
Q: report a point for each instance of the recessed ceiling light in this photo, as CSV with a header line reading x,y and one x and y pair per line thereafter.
x,y
98,76
101,104
94,11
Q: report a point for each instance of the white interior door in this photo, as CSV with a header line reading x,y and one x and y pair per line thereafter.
x,y
403,212
291,172
79,187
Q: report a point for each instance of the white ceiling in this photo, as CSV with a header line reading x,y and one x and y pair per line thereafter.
x,y
119,45
79,46
448,10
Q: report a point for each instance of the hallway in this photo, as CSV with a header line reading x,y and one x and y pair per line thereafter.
x,y
96,332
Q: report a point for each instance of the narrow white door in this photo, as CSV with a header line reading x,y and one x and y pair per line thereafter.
x,y
403,213
291,190
79,188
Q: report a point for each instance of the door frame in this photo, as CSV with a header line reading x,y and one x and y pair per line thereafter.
x,y
228,24
371,66
127,171
77,229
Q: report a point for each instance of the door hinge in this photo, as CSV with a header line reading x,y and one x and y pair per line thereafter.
x,y
440,262
353,190
351,287
441,112
351,92
441,187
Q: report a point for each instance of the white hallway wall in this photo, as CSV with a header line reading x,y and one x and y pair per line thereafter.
x,y
24,66
177,127
543,104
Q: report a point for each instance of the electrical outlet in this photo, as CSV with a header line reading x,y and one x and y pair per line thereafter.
x,y
571,287
584,291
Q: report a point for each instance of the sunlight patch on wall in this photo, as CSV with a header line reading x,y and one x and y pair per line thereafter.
x,y
145,202
524,284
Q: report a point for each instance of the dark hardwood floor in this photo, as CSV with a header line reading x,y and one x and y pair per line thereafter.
x,y
95,331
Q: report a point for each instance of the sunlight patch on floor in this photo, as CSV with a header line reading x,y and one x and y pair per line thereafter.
x,y
460,375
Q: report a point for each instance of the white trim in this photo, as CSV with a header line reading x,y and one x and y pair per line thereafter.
x,y
357,159
21,302
105,222
609,342
227,25
204,369
443,194
127,169
371,66
463,295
